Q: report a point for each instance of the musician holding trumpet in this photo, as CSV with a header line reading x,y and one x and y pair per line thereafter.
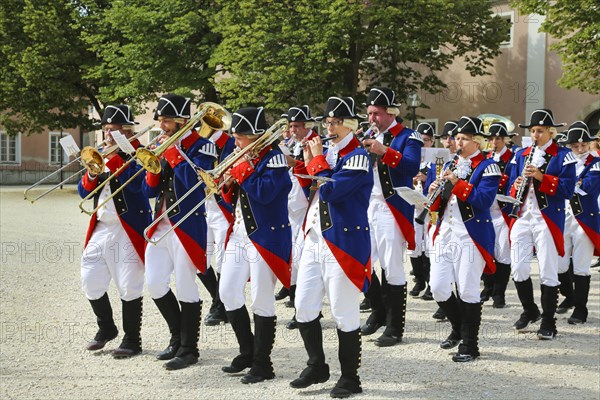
x,y
114,245
463,238
182,252
542,179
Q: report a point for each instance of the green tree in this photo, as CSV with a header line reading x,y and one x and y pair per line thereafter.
x,y
576,25
279,53
63,55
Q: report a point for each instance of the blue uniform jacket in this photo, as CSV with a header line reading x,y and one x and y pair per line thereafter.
x,y
585,207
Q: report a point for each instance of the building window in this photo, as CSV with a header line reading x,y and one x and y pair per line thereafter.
x,y
10,148
509,17
55,149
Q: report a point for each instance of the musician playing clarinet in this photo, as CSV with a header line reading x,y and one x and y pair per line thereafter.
x,y
542,179
336,258
463,239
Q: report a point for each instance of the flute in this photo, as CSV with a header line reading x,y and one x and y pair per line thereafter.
x,y
324,139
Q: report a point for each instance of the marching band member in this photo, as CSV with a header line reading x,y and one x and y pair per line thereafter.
x,y
448,142
335,260
463,240
301,128
495,284
582,224
114,244
398,156
259,245
544,183
182,252
218,219
418,257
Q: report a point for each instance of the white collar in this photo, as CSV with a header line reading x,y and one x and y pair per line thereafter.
x,y
342,144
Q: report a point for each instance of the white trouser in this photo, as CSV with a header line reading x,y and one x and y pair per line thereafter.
x,y
457,260
166,257
387,243
525,234
577,245
502,247
297,245
240,262
110,254
421,242
320,274
215,236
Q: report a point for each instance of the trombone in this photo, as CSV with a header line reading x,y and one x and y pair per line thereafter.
x,y
211,114
91,158
211,177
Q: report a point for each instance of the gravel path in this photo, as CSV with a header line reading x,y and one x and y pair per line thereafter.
x,y
45,323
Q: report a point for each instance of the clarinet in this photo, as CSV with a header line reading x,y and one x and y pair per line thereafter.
x,y
420,219
521,192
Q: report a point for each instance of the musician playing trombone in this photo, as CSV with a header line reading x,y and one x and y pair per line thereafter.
x,y
114,245
544,177
463,238
182,252
259,246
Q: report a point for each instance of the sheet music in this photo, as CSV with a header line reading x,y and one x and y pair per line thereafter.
x,y
122,142
411,196
431,154
507,199
69,146
526,141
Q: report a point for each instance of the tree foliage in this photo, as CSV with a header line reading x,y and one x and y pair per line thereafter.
x,y
60,56
576,24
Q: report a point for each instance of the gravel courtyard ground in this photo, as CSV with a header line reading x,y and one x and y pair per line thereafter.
x,y
45,323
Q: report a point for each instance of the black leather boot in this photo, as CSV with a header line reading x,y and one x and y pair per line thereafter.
x,y
377,318
531,312
451,309
317,371
547,329
468,349
419,278
426,274
216,315
290,303
395,316
349,354
209,280
188,353
240,323
169,308
501,278
488,287
132,325
107,330
264,338
566,289
582,290
282,294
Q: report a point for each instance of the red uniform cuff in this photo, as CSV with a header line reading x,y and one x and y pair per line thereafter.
x,y
152,179
114,163
173,156
242,171
300,168
227,194
462,189
317,164
88,182
549,184
391,157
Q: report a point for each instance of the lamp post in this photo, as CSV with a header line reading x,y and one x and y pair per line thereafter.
x,y
414,101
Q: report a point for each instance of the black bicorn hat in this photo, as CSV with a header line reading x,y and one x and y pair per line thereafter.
x,y
498,129
380,96
298,114
172,106
470,126
249,121
542,117
449,129
118,114
340,107
425,128
578,132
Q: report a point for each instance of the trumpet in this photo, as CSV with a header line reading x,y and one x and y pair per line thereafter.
x,y
91,158
211,177
150,159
